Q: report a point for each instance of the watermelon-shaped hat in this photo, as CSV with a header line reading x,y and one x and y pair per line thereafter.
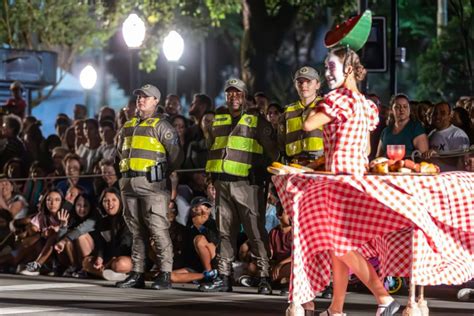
x,y
353,32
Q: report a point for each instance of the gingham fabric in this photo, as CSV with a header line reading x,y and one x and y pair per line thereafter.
x,y
346,136
419,226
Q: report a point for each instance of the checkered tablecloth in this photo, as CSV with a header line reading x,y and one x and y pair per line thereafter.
x,y
419,226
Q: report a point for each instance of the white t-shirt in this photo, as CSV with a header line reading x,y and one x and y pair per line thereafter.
x,y
449,139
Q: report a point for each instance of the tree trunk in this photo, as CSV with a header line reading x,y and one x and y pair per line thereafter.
x,y
262,37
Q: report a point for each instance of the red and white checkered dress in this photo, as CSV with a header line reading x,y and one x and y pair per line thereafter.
x,y
418,226
346,136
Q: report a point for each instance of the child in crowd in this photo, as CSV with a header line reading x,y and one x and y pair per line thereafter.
x,y
71,250
202,239
111,258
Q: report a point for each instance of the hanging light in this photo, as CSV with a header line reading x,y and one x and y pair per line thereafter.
x,y
88,77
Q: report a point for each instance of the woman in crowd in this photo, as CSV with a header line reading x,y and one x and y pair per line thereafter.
x,y
273,114
12,201
111,258
179,122
404,130
75,249
347,118
47,224
461,119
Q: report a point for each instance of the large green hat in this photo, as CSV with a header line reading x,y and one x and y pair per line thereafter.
x,y
353,32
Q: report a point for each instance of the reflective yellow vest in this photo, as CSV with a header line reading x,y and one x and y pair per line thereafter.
x,y
141,149
298,141
234,149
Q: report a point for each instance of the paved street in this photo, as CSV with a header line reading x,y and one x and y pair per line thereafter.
x,y
21,295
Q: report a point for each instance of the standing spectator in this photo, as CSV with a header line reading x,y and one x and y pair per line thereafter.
x,y
196,155
107,149
273,114
10,131
234,165
33,138
68,140
80,112
404,130
28,121
61,125
172,105
262,102
89,152
461,119
445,138
16,104
106,113
149,149
201,103
180,124
424,111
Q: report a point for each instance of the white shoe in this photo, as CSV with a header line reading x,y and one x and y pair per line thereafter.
x,y
464,294
328,313
111,275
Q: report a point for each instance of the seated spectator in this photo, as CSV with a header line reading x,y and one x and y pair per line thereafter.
x,y
50,222
281,242
202,238
461,119
34,188
73,168
33,138
79,137
111,258
58,155
110,176
71,248
446,138
11,200
7,238
70,197
384,113
404,130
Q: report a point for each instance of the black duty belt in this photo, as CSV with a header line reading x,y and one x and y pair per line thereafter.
x,y
227,177
133,174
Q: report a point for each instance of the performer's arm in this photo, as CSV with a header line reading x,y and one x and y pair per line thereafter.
x,y
316,120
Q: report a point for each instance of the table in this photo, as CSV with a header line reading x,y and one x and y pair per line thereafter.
x,y
420,227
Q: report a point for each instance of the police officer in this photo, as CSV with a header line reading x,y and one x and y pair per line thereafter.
x,y
293,141
149,149
242,143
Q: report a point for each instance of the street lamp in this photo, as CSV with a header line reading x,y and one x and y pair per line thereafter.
x,y
88,79
133,31
173,47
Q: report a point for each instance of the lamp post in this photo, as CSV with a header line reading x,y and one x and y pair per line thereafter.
x,y
133,31
88,79
173,47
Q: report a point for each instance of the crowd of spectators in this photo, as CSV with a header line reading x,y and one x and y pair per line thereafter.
x,y
64,216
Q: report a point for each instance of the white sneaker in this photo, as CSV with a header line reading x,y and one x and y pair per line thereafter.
x,y
464,294
111,275
31,268
328,313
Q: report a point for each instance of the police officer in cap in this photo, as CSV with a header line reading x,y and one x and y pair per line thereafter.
x,y
242,146
149,150
293,141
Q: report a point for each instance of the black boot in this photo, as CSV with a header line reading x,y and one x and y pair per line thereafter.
x,y
162,281
220,284
264,286
134,280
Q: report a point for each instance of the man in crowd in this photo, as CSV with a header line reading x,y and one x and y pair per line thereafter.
x,y
262,102
80,112
242,141
89,152
172,105
149,149
16,104
446,138
13,146
296,143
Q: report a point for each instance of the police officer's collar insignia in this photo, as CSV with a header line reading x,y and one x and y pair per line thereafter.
x,y
304,70
169,135
233,81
